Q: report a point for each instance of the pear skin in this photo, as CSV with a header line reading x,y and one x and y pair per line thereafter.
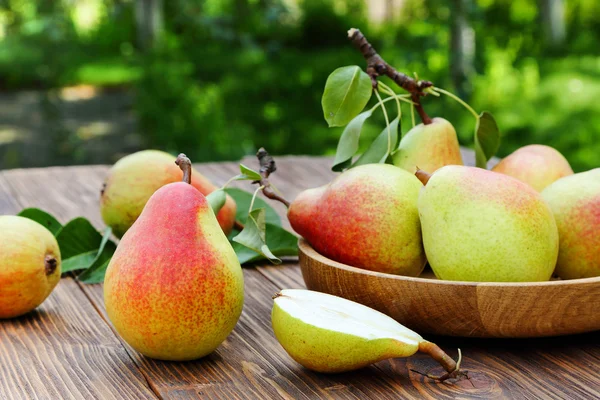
x,y
174,287
536,165
428,147
483,226
575,202
134,178
366,217
30,265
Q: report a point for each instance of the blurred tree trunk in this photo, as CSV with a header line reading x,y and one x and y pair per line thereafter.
x,y
552,16
149,22
462,47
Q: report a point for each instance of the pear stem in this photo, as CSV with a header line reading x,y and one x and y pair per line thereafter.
x,y
452,367
186,166
267,167
423,176
376,66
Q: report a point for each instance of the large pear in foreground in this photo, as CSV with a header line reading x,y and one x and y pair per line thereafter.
x,y
428,147
174,287
536,165
575,202
366,217
30,266
483,226
331,334
134,178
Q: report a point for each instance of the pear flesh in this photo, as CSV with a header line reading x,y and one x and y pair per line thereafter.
x,y
483,226
330,334
575,202
30,266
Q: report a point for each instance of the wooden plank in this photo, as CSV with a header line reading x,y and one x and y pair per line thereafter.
x,y
63,349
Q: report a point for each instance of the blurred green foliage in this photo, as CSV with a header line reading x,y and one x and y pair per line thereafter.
x,y
229,76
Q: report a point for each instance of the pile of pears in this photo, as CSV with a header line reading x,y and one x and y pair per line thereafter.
x,y
528,218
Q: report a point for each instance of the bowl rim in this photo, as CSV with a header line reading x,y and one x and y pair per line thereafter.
x,y
307,249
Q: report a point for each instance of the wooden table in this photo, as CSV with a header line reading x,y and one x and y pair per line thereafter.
x,y
67,349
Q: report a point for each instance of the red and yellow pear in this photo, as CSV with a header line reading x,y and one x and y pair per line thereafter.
x,y
134,178
174,288
536,164
366,217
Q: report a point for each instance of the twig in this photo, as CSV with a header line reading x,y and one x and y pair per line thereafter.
x,y
267,167
376,66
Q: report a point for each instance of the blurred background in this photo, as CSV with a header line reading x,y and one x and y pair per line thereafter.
x,y
87,81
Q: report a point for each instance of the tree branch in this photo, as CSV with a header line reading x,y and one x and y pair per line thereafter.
x,y
267,167
376,66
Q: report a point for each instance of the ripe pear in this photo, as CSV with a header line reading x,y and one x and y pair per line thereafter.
x,y
536,165
366,217
174,288
330,334
134,178
428,147
575,202
30,266
483,226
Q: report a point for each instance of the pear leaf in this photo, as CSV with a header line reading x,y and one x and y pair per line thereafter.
x,y
42,218
347,92
243,200
281,243
80,261
76,237
487,139
96,271
248,174
253,236
348,144
378,151
216,200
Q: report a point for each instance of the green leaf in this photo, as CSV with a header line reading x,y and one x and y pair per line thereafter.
x,y
253,236
281,243
43,218
247,173
95,273
378,151
81,261
216,200
347,92
348,144
243,200
76,237
487,139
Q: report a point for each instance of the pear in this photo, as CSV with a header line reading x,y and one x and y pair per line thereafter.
x,y
366,217
30,266
428,147
134,178
330,334
536,165
174,288
575,202
483,226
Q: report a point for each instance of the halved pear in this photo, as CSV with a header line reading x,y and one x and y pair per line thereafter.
x,y
331,334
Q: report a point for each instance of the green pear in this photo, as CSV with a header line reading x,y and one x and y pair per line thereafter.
x,y
575,202
30,266
536,165
134,178
330,334
174,288
428,147
366,217
483,226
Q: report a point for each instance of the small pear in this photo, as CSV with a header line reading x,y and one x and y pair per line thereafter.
x,y
575,202
30,266
366,217
174,288
330,334
536,165
428,147
134,178
483,226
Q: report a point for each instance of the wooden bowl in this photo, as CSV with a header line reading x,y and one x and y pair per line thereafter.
x,y
429,305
